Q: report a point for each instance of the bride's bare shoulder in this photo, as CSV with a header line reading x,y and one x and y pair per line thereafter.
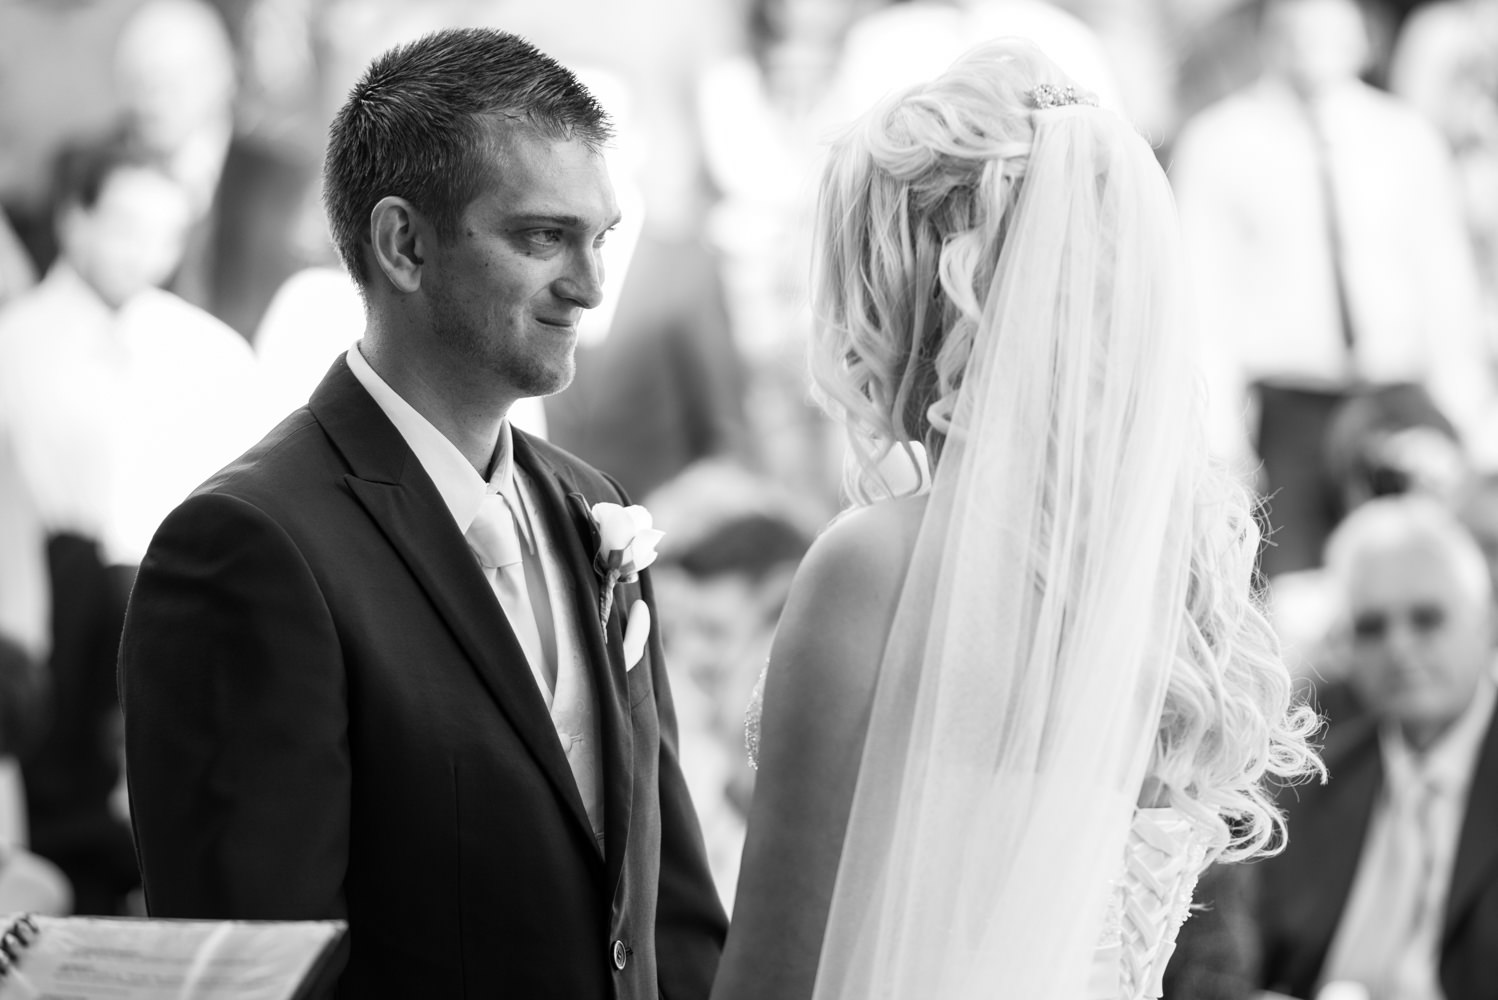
x,y
848,585
871,543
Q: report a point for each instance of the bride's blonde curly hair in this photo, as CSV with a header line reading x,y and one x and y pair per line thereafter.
x,y
912,219
905,201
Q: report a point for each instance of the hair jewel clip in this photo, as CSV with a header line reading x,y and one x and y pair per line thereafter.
x,y
1048,95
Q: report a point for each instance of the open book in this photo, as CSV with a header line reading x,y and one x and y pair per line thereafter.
x,y
121,958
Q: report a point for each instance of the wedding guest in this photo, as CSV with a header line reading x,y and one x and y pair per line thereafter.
x,y
721,595
28,883
1390,879
1217,951
115,399
369,671
1477,507
660,381
1330,255
16,272
1384,441
1445,63
662,384
310,322
174,74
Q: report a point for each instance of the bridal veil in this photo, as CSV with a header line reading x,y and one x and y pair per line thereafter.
x,y
1020,697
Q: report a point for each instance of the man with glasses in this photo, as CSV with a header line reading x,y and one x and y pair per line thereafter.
x,y
1391,875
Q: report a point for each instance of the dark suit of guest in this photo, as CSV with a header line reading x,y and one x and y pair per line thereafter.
x,y
242,250
72,768
328,715
1216,954
1304,892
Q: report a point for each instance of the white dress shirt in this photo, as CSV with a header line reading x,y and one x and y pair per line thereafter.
x,y
1252,200
463,489
1392,945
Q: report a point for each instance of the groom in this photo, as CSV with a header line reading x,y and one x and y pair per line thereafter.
x,y
364,672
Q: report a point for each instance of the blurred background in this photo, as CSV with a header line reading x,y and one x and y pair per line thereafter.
x,y
168,292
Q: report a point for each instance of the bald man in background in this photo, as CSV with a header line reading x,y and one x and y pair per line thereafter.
x,y
1390,879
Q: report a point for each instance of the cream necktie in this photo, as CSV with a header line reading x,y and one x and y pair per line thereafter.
x,y
1414,961
565,685
496,542
1392,948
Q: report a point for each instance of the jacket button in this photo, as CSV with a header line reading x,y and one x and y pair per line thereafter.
x,y
619,955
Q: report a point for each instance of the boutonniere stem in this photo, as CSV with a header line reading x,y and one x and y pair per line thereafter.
x,y
606,599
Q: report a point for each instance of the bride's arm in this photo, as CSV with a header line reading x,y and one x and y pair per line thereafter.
x,y
817,697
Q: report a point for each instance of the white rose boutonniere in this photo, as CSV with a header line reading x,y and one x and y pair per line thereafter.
x,y
626,545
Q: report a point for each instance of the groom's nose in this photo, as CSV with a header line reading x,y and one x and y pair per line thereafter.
x,y
582,282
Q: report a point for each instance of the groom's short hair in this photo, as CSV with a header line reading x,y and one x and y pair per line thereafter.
x,y
423,124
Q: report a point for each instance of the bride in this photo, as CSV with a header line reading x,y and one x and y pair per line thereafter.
x,y
1007,720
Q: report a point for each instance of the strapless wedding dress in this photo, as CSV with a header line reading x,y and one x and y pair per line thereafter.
x,y
1167,851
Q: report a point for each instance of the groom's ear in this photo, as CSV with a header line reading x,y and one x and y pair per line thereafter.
x,y
400,236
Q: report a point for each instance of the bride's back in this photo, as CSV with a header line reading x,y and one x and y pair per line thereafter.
x,y
970,689
827,652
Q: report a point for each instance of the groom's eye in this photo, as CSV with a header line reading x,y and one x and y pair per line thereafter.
x,y
542,239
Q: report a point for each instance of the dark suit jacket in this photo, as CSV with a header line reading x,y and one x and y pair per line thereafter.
x,y
1304,891
327,715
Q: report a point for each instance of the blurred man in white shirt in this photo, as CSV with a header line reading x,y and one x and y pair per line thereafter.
x,y
116,399
1330,256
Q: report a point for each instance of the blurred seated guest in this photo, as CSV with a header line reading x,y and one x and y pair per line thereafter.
x,y
733,541
1390,879
27,883
1393,439
116,399
16,272
175,79
720,599
310,323
25,635
660,383
711,492
1477,507
23,696
1217,950
1380,441
1330,255
1445,63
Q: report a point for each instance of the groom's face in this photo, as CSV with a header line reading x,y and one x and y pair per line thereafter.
x,y
507,290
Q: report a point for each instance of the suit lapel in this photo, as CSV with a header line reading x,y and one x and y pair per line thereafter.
x,y
391,485
1477,850
571,530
